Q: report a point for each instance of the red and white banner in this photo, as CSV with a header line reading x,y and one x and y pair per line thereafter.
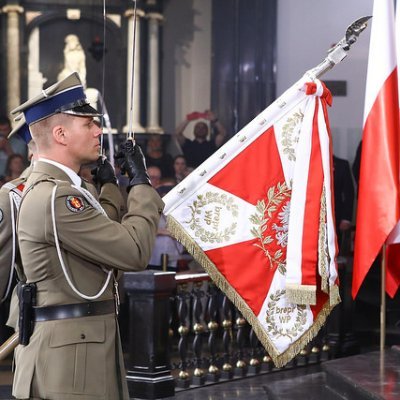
x,y
378,209
258,216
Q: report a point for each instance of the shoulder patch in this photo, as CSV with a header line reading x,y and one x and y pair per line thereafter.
x,y
75,203
1,215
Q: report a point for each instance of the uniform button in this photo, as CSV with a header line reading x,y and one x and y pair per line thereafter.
x,y
83,336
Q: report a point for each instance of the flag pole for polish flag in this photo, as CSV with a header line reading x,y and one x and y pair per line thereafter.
x,y
383,300
382,330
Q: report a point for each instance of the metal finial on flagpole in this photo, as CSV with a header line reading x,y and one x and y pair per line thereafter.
x,y
130,134
337,53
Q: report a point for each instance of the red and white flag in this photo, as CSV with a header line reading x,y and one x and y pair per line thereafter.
x,y
258,216
378,209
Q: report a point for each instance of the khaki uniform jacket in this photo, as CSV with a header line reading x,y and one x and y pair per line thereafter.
x,y
6,229
77,358
6,239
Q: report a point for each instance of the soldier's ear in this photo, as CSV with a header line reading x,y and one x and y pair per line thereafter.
x,y
59,134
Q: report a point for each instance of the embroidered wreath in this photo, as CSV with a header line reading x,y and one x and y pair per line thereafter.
x,y
277,331
287,130
264,212
205,235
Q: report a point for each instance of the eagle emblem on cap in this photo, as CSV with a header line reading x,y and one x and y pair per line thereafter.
x,y
75,203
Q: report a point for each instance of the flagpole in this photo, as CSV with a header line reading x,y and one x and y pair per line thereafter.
x,y
8,346
131,134
383,300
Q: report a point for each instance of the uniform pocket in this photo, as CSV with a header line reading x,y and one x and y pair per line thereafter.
x,y
75,358
72,332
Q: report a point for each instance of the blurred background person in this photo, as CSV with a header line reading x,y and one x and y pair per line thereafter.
x,y
200,148
344,201
14,167
156,155
167,250
155,175
5,146
181,171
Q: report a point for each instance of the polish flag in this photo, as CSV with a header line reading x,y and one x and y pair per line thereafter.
x,y
378,209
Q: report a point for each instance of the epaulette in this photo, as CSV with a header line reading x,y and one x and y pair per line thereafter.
x,y
60,183
56,182
15,185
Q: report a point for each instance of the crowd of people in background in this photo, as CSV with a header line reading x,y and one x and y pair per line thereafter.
x,y
14,154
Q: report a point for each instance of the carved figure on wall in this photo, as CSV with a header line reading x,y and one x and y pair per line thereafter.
x,y
74,59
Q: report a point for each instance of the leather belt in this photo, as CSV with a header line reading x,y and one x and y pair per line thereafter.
x,y
78,310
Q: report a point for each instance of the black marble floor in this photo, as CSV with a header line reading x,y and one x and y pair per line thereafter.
x,y
373,375
254,388
368,376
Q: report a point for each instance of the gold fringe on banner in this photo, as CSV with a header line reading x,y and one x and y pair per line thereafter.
x,y
334,295
279,359
301,294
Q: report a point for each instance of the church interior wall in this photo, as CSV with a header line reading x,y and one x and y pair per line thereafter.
x,y
305,31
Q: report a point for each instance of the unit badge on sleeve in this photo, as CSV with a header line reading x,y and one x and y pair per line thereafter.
x,y
75,204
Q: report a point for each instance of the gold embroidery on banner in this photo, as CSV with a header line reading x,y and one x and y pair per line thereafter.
x,y
284,314
264,212
288,142
206,217
323,255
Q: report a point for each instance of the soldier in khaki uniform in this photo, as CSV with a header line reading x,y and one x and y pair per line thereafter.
x,y
10,197
71,251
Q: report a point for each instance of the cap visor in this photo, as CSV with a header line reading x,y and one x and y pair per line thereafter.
x,y
83,111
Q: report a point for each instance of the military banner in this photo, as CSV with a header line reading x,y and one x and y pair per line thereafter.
x,y
258,216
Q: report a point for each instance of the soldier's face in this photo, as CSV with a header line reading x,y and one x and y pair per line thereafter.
x,y
84,139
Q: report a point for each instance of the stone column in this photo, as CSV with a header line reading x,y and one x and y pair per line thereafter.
x,y
13,59
153,100
136,125
35,77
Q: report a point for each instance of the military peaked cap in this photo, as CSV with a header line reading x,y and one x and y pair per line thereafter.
x,y
66,96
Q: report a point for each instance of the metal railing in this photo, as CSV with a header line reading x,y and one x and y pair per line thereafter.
x,y
191,335
210,341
